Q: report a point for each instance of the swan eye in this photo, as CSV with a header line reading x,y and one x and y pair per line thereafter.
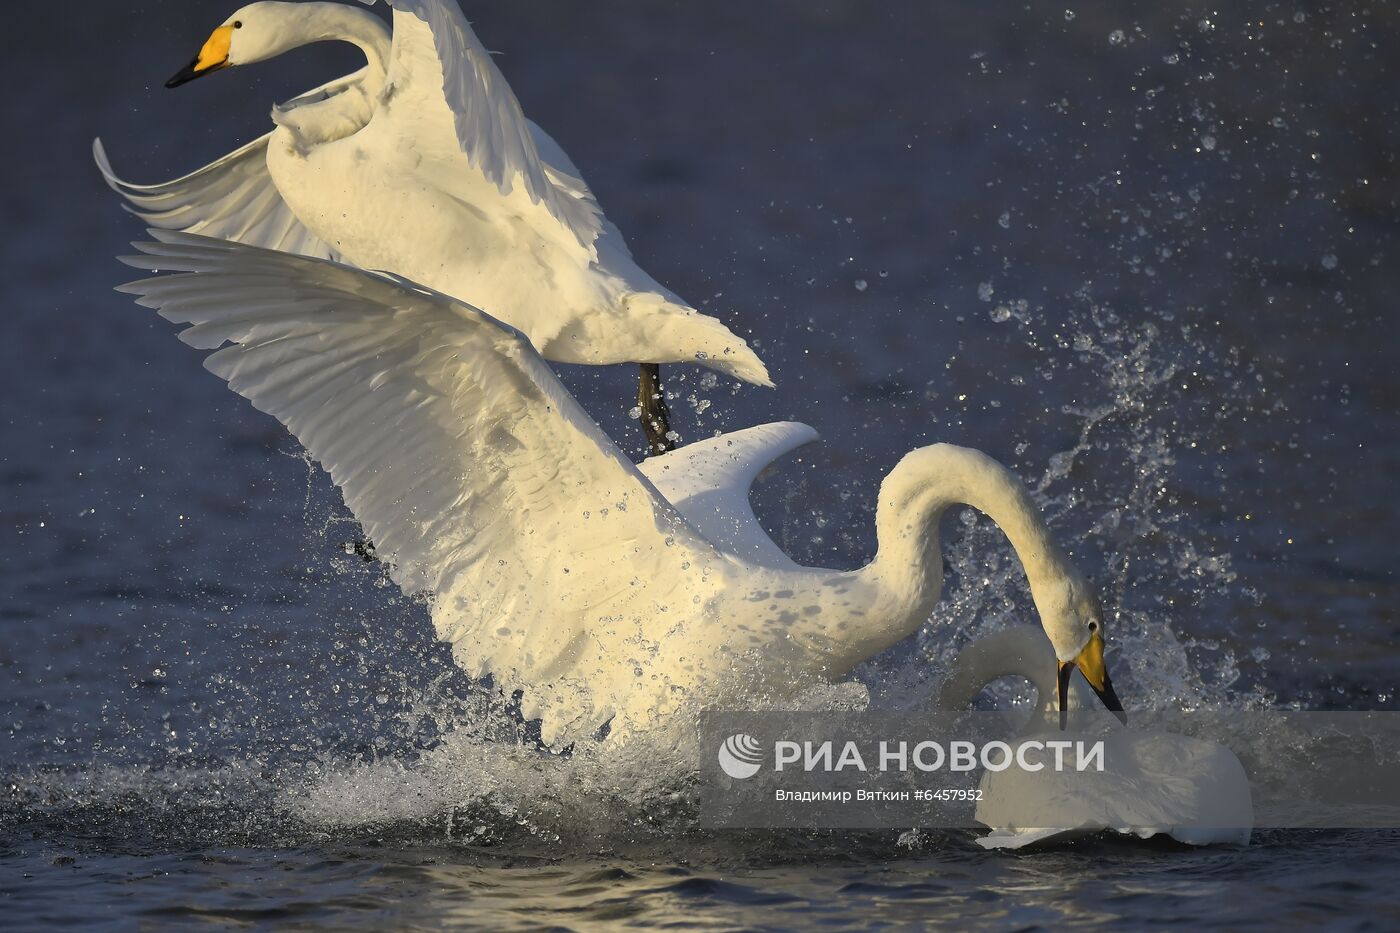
x,y
238,24
1093,626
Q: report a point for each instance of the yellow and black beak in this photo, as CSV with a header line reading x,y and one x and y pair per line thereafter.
x,y
211,58
1090,664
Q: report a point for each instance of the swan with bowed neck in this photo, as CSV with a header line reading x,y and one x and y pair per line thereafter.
x,y
1153,783
422,164
604,593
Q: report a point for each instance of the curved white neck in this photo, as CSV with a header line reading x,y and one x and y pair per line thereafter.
x,y
1015,652
908,568
308,23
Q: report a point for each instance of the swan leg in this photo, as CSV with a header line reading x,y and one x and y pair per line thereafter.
x,y
656,417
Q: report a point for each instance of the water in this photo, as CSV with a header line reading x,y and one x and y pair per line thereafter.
x,y
1141,253
360,884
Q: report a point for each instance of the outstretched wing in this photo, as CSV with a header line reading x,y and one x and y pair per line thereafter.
x,y
446,64
708,482
233,198
478,477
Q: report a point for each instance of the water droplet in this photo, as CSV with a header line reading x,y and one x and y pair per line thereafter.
x,y
1117,37
1069,16
1001,314
862,285
985,291
1329,262
1208,142
1004,221
636,413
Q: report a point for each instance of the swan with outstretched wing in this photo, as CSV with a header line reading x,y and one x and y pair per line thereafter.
x,y
423,164
603,593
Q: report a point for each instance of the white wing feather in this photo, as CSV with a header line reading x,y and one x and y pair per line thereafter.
x,y
490,125
478,477
708,482
232,198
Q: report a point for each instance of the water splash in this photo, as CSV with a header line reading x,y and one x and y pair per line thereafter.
x,y
1115,498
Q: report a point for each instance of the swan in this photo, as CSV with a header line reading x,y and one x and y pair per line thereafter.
x,y
1154,783
441,180
550,561
1013,652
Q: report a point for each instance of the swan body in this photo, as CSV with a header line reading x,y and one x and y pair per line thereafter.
x,y
1153,783
422,163
605,594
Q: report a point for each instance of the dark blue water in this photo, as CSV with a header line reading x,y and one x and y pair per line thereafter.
x,y
1143,253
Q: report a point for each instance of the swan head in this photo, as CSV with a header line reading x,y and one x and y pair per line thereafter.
x,y
1071,616
255,33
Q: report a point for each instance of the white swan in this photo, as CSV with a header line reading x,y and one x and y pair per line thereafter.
x,y
422,164
1153,783
553,563
1012,652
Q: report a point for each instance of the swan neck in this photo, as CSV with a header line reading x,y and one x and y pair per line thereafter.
x,y
1016,652
913,500
336,22
369,34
